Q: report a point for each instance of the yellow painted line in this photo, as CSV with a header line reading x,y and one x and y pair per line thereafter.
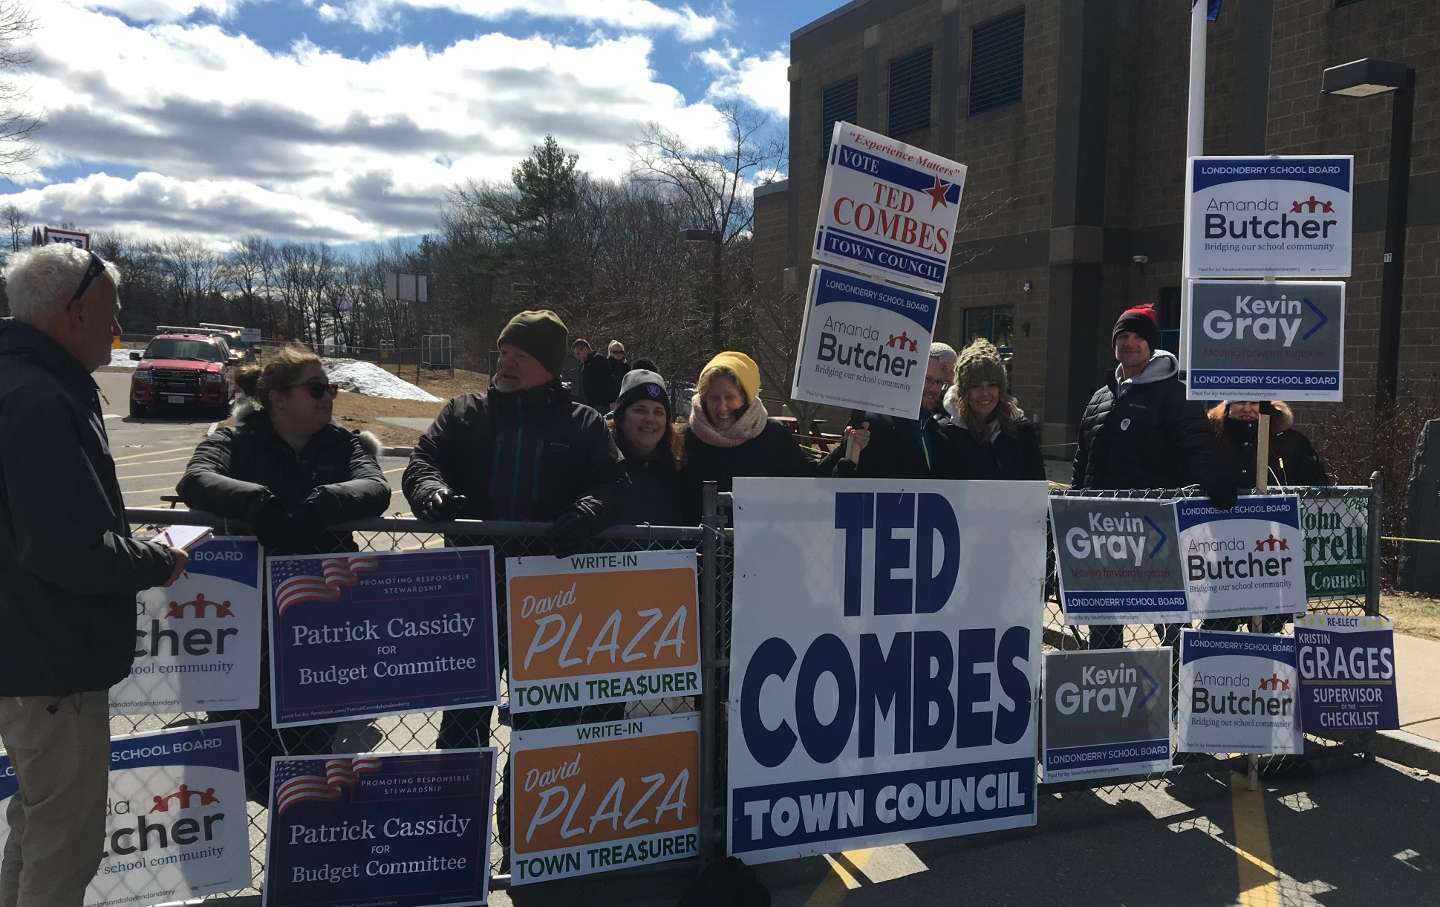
x,y
149,453
1259,879
833,888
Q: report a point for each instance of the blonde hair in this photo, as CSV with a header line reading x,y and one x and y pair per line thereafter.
x,y
280,371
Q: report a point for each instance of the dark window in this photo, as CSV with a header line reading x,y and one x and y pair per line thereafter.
x,y
1336,4
1168,309
995,323
838,101
910,92
997,62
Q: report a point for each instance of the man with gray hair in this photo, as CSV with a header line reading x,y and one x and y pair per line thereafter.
x,y
885,447
69,572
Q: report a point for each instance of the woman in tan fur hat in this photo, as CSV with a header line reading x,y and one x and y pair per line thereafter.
x,y
988,434
1293,460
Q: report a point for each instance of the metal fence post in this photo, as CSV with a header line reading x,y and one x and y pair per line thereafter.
x,y
711,699
1373,530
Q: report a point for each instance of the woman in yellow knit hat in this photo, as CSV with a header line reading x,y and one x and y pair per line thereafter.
x,y
730,434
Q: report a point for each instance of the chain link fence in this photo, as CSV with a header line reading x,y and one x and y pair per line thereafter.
x,y
1340,509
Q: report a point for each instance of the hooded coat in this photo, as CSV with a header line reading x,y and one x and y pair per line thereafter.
x,y
1293,459
235,467
69,569
1141,432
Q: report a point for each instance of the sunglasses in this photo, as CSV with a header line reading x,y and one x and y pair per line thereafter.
x,y
95,269
317,389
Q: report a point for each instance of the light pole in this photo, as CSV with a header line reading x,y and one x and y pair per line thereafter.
x,y
714,239
1361,79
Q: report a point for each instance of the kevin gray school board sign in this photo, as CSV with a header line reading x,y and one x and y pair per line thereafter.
x,y
885,655
1266,340
888,209
865,344
1276,216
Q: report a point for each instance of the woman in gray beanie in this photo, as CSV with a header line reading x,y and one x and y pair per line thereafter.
x,y
987,432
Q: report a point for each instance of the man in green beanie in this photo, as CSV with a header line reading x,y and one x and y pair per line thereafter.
x,y
523,450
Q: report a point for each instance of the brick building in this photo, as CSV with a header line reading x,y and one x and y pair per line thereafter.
x,y
1071,117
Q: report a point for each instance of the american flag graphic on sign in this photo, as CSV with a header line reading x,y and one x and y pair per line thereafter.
x,y
319,779
298,581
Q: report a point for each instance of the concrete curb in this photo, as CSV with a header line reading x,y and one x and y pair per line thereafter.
x,y
1409,749
395,451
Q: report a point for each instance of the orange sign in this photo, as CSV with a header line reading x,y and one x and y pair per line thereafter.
x,y
595,797
597,628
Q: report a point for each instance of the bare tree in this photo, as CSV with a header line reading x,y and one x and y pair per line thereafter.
x,y
18,223
16,124
196,271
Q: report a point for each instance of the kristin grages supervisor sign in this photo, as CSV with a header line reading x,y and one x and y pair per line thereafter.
x,y
1269,216
1270,340
888,209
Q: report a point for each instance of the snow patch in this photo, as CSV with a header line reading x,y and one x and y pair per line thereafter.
x,y
371,380
121,359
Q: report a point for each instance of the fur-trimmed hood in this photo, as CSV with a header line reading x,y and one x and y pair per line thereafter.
x,y
244,409
1282,417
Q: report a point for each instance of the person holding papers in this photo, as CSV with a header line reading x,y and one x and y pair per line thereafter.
x,y
290,473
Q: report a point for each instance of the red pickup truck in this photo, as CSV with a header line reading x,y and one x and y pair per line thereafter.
x,y
183,370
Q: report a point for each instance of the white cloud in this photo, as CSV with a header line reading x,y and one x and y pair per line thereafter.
x,y
629,15
760,80
234,138
165,10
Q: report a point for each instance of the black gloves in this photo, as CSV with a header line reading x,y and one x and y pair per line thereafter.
x,y
319,512
272,524
440,505
575,527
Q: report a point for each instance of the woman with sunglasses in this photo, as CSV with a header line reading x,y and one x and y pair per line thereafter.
x,y
289,472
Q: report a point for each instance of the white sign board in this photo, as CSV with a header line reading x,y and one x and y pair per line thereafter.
x,y
888,209
1247,560
884,660
865,344
69,237
1237,694
1277,216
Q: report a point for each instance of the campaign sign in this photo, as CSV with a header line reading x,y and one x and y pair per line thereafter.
x,y
1117,560
597,628
197,643
175,820
1247,560
864,345
1237,694
888,209
590,798
381,633
373,830
1347,674
1336,565
1277,216
884,658
1107,713
1266,340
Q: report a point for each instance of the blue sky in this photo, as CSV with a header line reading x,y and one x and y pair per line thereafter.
x,y
346,120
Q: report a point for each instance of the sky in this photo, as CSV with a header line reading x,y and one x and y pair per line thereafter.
x,y
344,121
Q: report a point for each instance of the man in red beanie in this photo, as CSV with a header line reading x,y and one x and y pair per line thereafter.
x,y
1139,431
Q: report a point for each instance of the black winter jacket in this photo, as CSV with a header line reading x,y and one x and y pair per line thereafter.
x,y
234,468
528,455
896,450
1143,433
1293,460
1013,455
773,452
656,489
69,570
599,383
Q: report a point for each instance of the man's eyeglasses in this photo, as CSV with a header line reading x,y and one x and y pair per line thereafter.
x,y
95,269
317,389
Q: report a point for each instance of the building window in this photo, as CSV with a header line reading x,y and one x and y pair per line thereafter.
x,y
1336,4
995,323
838,101
910,92
997,62
1168,310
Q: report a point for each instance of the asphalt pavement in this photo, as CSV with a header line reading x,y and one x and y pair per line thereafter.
x,y
151,453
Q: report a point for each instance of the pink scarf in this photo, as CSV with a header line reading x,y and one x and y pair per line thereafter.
x,y
746,428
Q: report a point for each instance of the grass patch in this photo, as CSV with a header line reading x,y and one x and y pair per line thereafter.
x,y
1417,615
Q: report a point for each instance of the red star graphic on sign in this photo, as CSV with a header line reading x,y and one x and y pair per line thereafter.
x,y
937,193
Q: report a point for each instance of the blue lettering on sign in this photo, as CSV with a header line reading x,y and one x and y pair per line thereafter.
x,y
909,675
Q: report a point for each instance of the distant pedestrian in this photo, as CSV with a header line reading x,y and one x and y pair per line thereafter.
x,y
598,382
69,572
730,434
582,350
644,364
987,433
878,446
